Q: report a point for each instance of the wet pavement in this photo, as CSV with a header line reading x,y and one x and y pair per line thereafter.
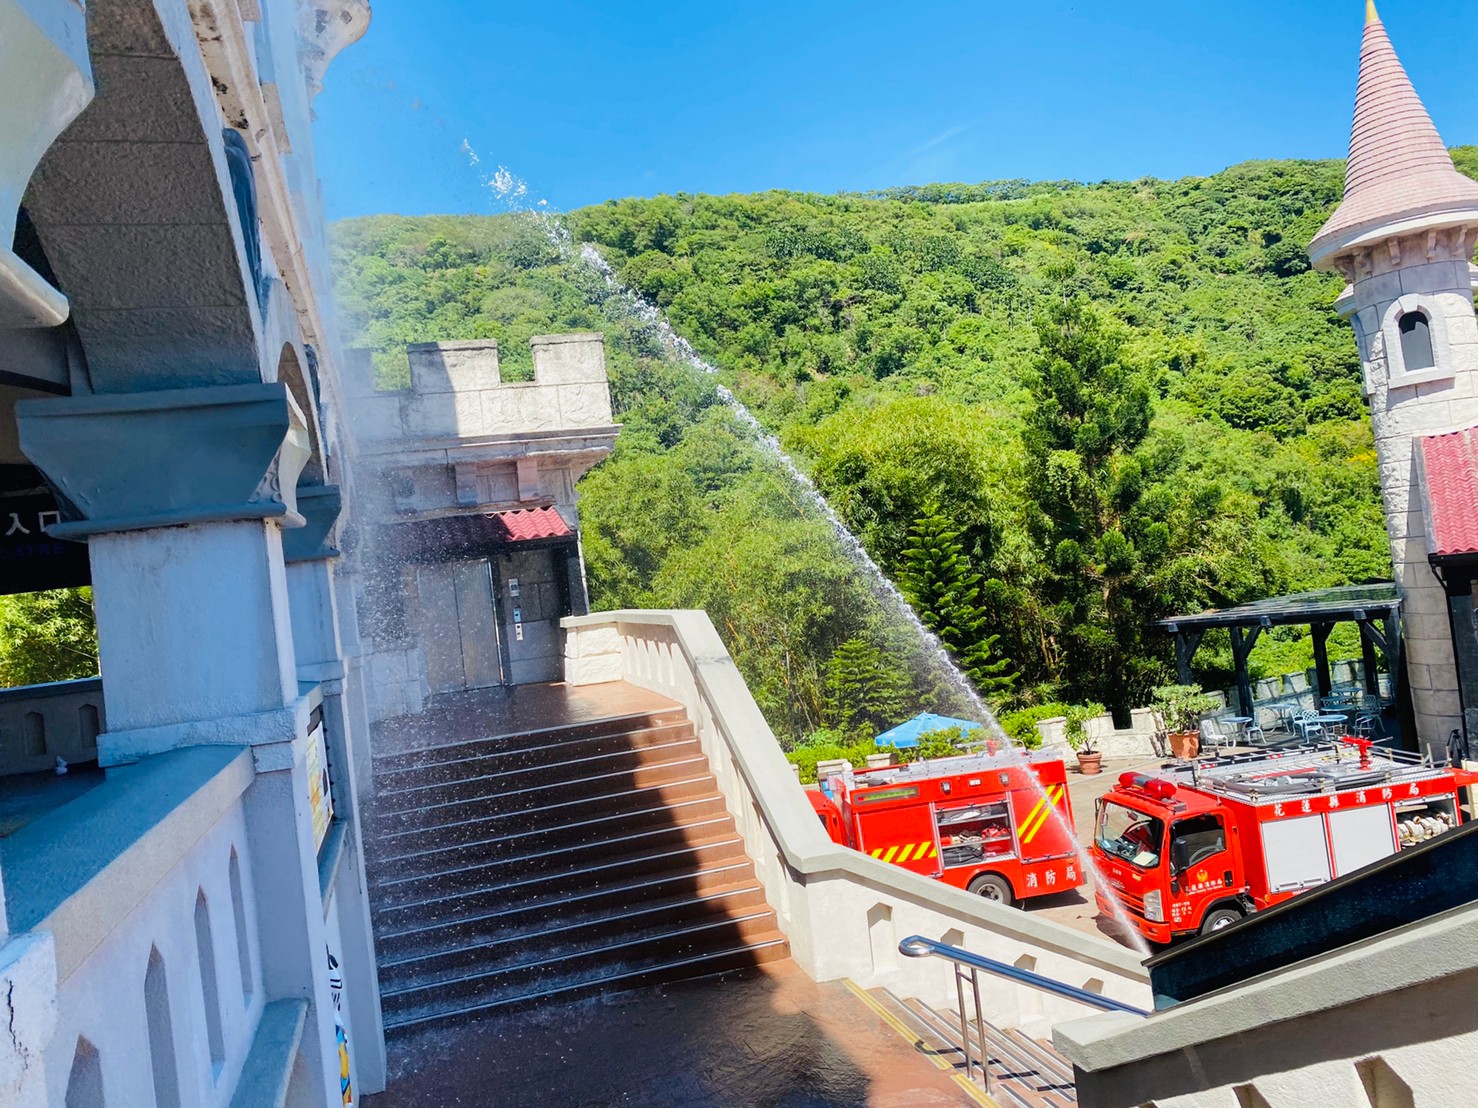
x,y
1076,908
511,710
771,1038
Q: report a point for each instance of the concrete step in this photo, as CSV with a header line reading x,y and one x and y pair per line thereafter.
x,y
524,788
497,930
569,954
432,849
407,930
571,864
548,807
418,746
619,976
511,755
429,902
568,860
1021,1075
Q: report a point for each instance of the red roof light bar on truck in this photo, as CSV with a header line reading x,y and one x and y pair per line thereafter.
x,y
1156,787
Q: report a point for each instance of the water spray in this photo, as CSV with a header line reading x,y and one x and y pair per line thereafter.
x,y
511,192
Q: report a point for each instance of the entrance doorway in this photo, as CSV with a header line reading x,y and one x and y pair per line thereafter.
x,y
461,629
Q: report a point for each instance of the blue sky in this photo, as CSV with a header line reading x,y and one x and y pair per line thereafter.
x,y
589,101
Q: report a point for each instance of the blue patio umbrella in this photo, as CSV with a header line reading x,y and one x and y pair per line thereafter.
x,y
907,734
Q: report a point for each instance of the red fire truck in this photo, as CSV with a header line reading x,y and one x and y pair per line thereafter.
x,y
1203,844
996,823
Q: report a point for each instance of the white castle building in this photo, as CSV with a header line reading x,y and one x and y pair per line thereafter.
x,y
1403,239
187,923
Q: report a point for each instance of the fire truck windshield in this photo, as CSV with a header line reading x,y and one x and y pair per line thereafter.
x,y
1133,836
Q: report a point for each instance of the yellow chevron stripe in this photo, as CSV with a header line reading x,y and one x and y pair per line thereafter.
x,y
933,850
1032,815
1054,795
888,857
906,855
878,853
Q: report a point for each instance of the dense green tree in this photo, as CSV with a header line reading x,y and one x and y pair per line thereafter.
x,y
945,591
47,636
864,688
1088,479
890,341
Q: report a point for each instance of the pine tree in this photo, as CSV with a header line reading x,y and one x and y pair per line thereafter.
x,y
944,589
862,689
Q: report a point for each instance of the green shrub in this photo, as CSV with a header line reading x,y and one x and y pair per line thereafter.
x,y
943,743
809,753
1021,726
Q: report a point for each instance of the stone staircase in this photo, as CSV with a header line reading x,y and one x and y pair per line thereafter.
x,y
554,863
1024,1072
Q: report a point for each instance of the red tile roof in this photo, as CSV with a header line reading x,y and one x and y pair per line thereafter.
x,y
1449,469
1398,167
530,524
430,540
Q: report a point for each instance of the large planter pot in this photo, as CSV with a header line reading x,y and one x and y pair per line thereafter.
x,y
1089,763
1185,744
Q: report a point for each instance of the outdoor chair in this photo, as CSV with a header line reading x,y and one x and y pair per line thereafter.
x,y
1306,722
1368,721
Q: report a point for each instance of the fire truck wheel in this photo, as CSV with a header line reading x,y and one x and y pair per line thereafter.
x,y
1217,919
993,886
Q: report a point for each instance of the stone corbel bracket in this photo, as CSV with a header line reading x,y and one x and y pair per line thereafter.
x,y
325,27
132,461
320,506
45,82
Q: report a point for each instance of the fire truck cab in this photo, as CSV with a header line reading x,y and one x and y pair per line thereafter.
x,y
1200,845
998,824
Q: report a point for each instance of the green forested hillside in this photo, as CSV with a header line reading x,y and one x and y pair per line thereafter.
x,y
1053,412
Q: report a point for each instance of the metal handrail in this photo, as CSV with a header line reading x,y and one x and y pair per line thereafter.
x,y
916,946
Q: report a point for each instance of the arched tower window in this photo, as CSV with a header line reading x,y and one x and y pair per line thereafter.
x,y
85,1083
205,948
238,912
161,1034
1416,342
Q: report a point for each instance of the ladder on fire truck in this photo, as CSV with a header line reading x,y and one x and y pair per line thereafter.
x,y
1303,770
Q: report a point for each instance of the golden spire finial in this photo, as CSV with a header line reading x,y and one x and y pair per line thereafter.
x,y
1371,15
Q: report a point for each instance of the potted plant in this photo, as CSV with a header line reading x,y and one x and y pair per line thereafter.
x,y
1180,708
1075,730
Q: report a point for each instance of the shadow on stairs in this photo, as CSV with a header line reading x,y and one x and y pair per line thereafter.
x,y
1023,1072
564,859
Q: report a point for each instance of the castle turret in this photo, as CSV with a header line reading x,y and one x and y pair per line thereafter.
x,y
1402,238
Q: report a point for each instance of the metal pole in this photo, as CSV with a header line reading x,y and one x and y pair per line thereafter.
x,y
980,1027
964,1023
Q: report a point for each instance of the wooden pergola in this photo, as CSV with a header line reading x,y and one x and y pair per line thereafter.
x,y
1375,609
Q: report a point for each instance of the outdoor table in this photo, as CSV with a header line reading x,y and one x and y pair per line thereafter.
x,y
1323,719
1239,722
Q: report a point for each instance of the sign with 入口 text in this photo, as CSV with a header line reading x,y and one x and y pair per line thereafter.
x,y
30,559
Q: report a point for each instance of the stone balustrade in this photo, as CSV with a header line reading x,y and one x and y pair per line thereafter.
x,y
41,723
843,912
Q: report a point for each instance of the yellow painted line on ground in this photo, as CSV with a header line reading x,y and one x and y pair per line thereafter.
x,y
969,1087
975,1093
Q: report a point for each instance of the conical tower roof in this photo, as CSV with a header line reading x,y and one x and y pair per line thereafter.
x,y
1400,176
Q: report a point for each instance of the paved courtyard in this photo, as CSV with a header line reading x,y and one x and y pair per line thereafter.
x,y
1076,908
770,1037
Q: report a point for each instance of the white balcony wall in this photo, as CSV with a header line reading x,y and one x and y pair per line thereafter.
x,y
843,912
